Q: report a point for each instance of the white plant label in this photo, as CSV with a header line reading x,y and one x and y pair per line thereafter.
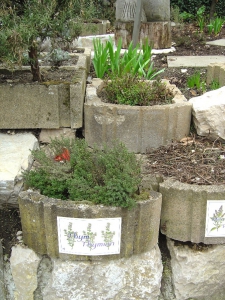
x,y
89,236
215,218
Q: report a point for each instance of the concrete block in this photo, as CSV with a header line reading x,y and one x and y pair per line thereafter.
x,y
139,231
47,134
183,215
138,127
216,72
46,105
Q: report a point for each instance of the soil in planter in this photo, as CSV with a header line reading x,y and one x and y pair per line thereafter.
x,y
193,160
54,75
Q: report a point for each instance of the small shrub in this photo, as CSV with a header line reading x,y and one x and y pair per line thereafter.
x,y
110,176
131,90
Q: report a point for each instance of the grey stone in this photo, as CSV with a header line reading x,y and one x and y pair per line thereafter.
x,y
15,157
138,127
220,42
183,215
24,265
47,134
134,278
216,72
209,113
193,61
139,230
198,274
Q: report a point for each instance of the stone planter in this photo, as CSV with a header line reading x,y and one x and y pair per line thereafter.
x,y
97,28
138,127
46,106
139,229
183,215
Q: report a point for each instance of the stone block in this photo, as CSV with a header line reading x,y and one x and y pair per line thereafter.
x,y
197,273
47,134
15,157
46,105
183,215
208,112
24,265
138,127
157,33
216,72
139,231
137,277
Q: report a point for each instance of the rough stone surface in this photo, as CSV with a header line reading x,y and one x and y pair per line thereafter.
x,y
183,215
209,113
138,278
24,265
138,127
15,157
47,134
139,230
193,61
216,72
42,106
198,274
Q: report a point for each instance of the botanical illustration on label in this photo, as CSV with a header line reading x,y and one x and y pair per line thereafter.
x,y
89,236
215,218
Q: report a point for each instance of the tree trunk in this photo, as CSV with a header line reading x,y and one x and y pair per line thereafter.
x,y
35,69
212,9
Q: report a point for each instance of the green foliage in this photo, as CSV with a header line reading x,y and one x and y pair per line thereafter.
x,y
191,6
111,62
195,81
214,85
110,176
57,56
215,25
201,18
130,90
36,20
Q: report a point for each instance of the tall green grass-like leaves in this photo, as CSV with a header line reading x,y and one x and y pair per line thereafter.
x,y
100,60
134,61
216,25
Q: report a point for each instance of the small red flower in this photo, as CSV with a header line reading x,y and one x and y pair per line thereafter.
x,y
65,155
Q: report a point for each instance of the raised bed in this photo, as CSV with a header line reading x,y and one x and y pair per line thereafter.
x,y
46,105
138,127
139,229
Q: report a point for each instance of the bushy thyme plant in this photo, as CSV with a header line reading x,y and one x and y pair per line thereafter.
x,y
70,170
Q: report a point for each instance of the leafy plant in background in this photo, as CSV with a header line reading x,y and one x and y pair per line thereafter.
x,y
201,18
214,85
110,176
108,61
215,25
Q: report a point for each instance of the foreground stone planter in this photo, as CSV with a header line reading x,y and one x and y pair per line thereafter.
x,y
138,127
46,105
183,215
139,231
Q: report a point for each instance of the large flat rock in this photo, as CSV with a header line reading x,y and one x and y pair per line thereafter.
x,y
193,61
15,156
220,42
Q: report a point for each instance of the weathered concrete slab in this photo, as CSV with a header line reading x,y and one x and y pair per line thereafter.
x,y
193,61
198,273
183,215
15,157
220,42
138,127
139,230
46,105
47,134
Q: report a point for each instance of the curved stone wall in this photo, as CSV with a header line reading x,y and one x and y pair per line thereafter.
x,y
139,233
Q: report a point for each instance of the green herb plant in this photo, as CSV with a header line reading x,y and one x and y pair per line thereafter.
x,y
195,81
110,176
110,62
130,90
201,18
